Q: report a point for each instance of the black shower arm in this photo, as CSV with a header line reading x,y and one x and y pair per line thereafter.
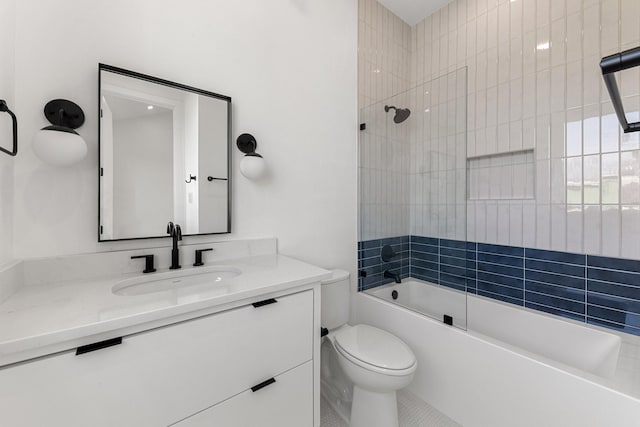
x,y
5,108
610,65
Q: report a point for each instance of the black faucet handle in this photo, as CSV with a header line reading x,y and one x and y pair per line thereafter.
x,y
148,265
170,227
178,231
387,253
199,262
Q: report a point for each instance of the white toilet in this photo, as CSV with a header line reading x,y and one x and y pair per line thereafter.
x,y
377,362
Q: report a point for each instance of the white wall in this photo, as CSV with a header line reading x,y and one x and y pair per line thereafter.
x,y
290,67
186,164
142,161
7,35
106,164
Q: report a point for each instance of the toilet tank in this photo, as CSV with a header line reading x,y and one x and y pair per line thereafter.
x,y
335,300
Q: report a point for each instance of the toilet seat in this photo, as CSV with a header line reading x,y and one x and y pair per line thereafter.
x,y
375,350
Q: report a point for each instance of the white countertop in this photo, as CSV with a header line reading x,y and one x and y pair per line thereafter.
x,y
40,319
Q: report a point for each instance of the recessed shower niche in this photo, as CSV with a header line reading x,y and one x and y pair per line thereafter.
x,y
503,176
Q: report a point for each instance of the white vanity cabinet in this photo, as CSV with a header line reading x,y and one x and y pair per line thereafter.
x,y
285,402
198,372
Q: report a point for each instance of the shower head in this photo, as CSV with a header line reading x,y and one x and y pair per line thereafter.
x,y
401,115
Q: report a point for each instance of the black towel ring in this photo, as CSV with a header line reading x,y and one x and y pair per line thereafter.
x,y
5,108
610,65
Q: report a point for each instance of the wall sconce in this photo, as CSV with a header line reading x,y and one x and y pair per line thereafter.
x,y
252,165
59,144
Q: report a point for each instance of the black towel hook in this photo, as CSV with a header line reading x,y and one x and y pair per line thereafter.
x,y
5,108
191,178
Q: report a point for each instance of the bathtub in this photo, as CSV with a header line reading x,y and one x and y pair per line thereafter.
x,y
510,367
571,343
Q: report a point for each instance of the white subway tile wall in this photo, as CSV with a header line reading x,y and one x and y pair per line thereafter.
x,y
383,71
534,82
533,65
384,171
384,49
437,152
413,174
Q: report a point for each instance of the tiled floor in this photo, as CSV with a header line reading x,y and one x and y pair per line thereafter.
x,y
412,412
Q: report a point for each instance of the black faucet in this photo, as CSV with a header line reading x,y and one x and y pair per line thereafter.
x,y
389,275
176,233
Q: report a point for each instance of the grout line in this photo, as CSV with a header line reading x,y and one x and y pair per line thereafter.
x,y
557,297
502,265
476,269
501,285
553,273
626,299
488,294
498,274
553,308
615,270
502,255
623,327
586,288
524,279
439,261
556,285
614,309
627,285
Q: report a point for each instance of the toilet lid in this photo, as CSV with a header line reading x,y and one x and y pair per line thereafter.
x,y
375,347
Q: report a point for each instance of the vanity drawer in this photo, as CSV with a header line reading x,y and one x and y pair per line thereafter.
x,y
287,402
161,376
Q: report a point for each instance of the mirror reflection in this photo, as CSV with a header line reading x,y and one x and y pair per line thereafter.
x,y
164,156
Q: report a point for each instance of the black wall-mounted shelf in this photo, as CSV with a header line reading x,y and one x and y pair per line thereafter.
x,y
610,65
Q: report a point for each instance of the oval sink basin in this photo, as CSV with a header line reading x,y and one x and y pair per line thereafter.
x,y
212,276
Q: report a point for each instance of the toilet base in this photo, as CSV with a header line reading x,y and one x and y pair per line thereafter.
x,y
372,409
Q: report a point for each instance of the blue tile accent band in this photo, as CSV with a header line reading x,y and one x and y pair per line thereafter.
x,y
593,289
371,264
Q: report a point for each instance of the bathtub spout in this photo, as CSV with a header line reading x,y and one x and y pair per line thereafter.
x,y
394,276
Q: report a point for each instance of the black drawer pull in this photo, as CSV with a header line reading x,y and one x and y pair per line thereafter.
x,y
265,302
263,384
98,345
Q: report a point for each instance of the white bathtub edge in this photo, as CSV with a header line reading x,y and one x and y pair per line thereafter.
x,y
467,376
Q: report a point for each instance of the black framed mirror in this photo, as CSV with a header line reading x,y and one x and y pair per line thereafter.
x,y
164,155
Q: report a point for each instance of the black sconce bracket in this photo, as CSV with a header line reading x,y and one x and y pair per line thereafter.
x,y
610,65
5,108
247,144
64,113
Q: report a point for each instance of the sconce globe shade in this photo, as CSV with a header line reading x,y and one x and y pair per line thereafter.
x,y
59,147
253,166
